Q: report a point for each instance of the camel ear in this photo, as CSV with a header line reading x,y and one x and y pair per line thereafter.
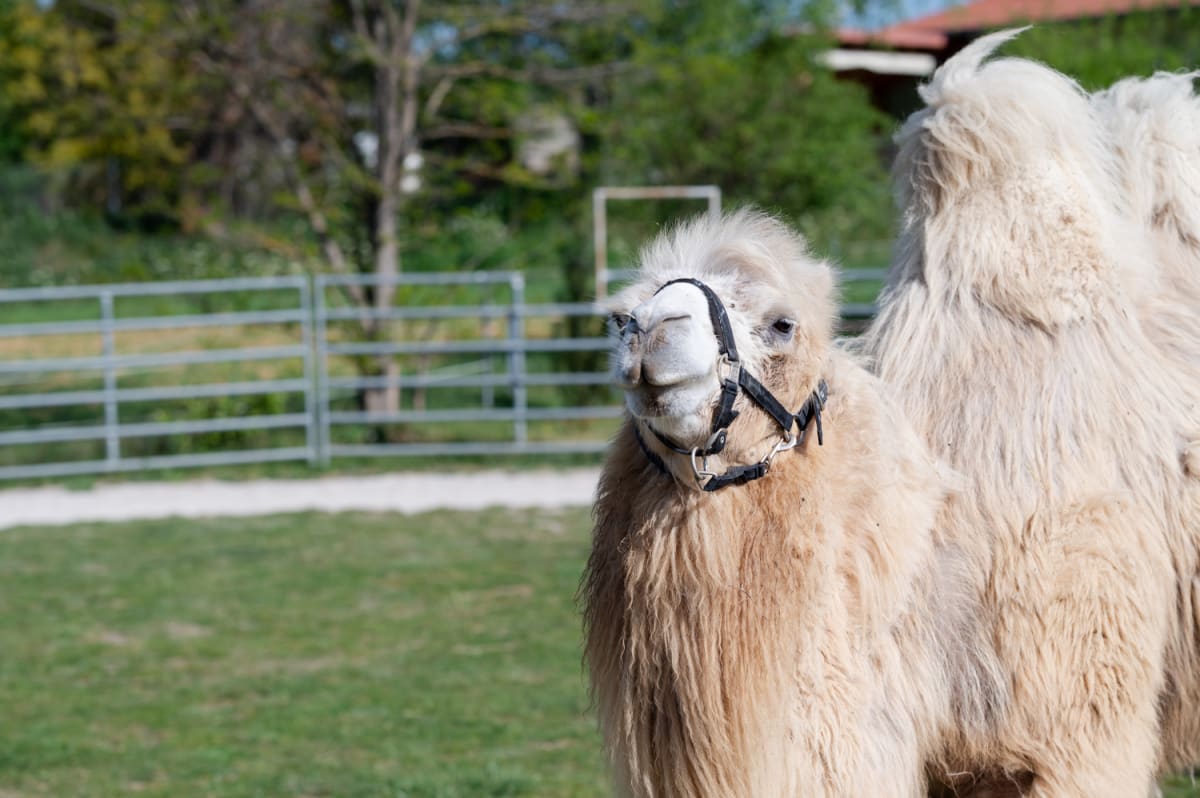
x,y
1031,246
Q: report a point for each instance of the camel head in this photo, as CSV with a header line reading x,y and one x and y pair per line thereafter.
x,y
669,336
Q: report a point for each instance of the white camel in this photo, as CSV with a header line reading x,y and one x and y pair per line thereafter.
x,y
768,616
1015,333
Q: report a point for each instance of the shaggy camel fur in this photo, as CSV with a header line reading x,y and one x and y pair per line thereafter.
x,y
805,634
1012,331
1155,126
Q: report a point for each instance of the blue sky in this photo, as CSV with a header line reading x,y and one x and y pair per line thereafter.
x,y
902,9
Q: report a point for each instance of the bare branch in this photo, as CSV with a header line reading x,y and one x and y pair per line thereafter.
x,y
533,20
466,130
438,96
317,220
358,19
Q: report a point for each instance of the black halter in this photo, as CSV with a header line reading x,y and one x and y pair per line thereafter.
x,y
739,379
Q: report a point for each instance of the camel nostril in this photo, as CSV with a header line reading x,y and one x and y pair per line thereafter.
x,y
621,323
629,373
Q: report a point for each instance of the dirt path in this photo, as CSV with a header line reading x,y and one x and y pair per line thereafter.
x,y
404,493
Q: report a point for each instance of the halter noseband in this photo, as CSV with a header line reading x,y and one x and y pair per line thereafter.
x,y
739,379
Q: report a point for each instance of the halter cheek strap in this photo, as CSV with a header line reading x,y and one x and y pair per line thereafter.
x,y
739,379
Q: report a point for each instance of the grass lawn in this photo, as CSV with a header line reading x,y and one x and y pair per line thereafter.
x,y
300,655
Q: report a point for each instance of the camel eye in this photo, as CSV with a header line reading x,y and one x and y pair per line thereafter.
x,y
784,327
617,322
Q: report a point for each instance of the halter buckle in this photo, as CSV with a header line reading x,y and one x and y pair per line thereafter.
x,y
789,441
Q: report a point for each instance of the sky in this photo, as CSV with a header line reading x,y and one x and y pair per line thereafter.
x,y
880,15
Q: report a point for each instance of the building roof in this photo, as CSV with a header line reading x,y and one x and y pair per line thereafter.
x,y
900,37
931,32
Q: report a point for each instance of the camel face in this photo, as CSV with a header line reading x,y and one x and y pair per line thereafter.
x,y
668,356
744,285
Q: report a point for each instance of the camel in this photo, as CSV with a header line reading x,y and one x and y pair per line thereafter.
x,y
1018,332
770,607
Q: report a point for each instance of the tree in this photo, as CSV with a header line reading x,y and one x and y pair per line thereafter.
x,y
368,123
734,94
350,93
101,89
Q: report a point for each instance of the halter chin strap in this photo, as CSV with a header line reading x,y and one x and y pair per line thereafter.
x,y
739,379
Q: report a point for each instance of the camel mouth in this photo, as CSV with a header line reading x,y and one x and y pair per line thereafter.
x,y
674,397
660,386
646,402
666,396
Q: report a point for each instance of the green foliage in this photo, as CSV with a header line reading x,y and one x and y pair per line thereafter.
x,y
98,90
1100,52
168,109
72,247
757,115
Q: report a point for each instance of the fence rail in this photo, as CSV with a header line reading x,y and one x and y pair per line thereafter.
x,y
276,369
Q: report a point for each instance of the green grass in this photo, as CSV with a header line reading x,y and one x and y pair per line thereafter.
x,y
434,656
303,655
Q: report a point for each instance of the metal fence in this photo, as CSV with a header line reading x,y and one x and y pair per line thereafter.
x,y
89,327
512,348
162,375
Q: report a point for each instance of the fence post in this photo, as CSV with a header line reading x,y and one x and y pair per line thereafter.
x,y
322,366
311,440
516,358
112,417
490,325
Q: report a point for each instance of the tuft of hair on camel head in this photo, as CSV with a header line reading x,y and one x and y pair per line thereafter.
x,y
755,262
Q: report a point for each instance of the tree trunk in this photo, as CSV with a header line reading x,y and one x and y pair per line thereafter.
x,y
379,401
396,95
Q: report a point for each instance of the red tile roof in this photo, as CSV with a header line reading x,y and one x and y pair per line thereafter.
x,y
930,32
897,36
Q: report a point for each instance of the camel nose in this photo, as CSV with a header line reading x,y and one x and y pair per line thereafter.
x,y
646,334
628,371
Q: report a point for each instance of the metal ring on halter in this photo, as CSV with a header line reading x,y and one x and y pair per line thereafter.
x,y
735,366
701,472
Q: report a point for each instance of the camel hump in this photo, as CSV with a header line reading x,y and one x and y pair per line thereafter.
x,y
987,117
1009,168
964,65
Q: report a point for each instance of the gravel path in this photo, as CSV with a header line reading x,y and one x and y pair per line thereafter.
x,y
404,493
